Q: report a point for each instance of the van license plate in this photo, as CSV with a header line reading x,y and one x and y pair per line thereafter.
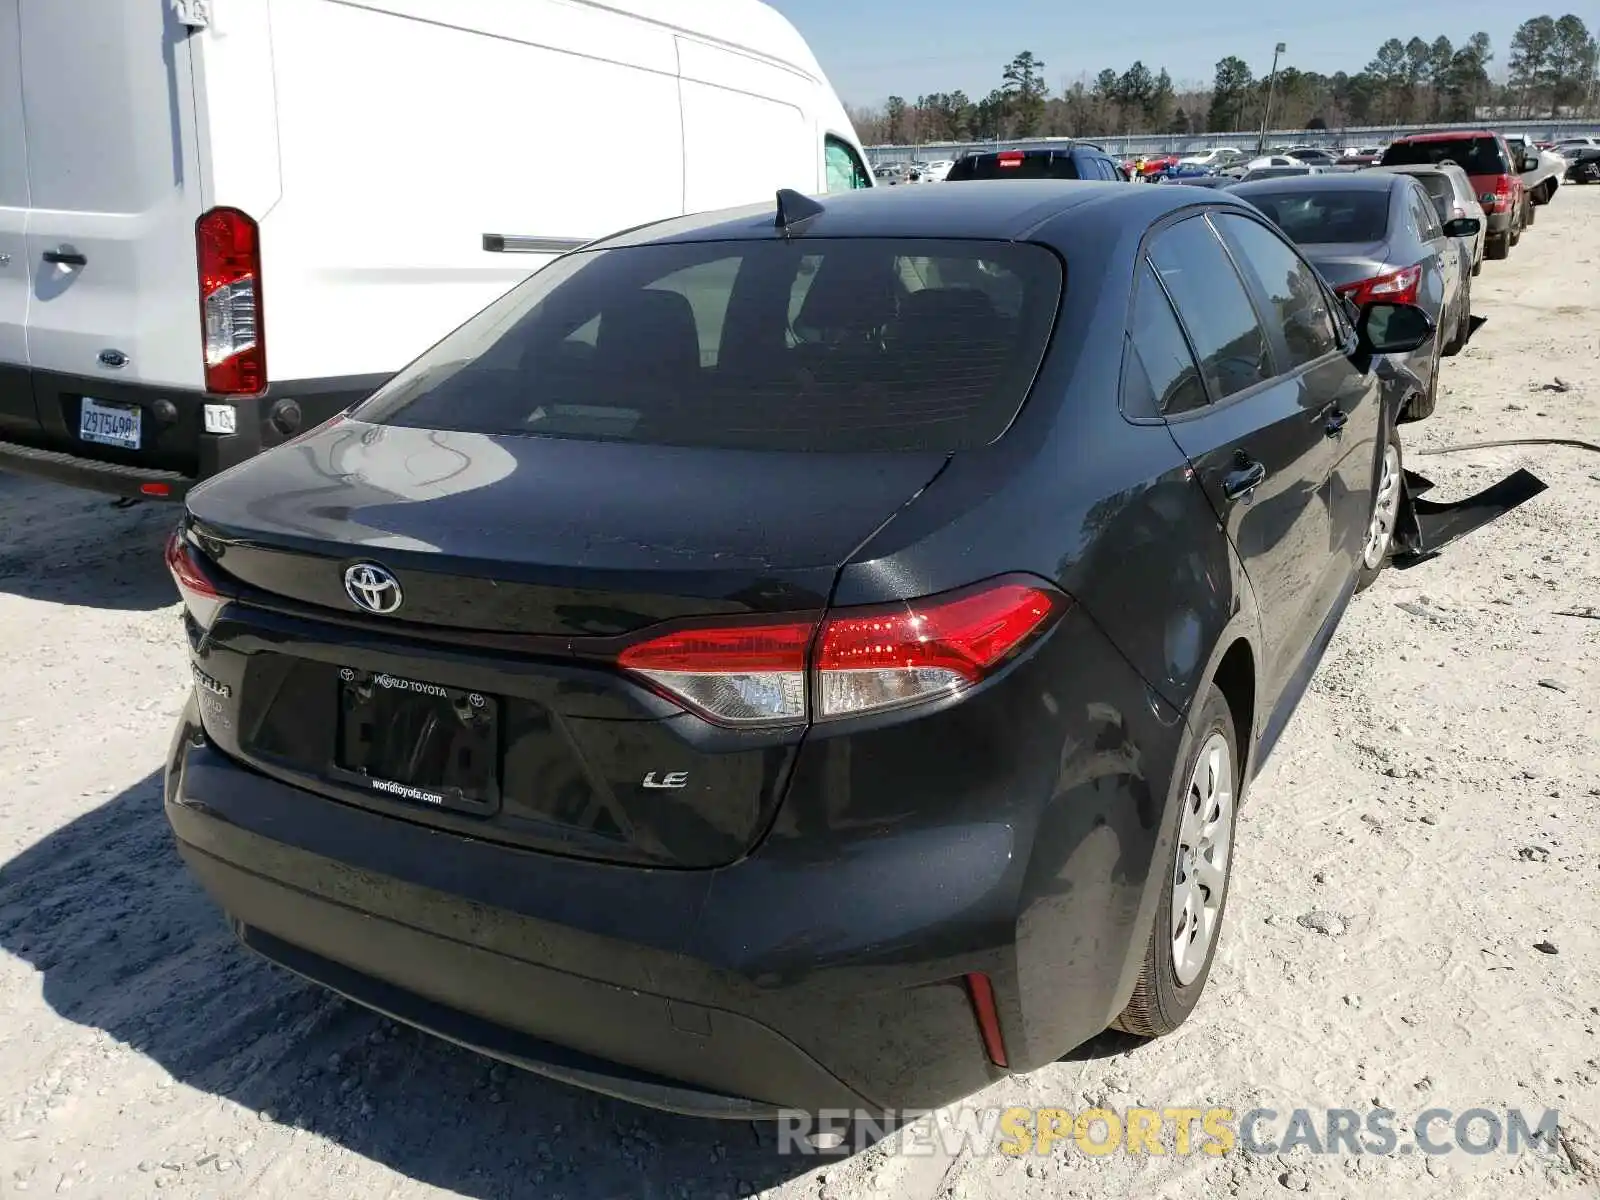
x,y
116,425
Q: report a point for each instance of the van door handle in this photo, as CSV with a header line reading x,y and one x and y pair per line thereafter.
x,y
1244,479
1336,422
65,258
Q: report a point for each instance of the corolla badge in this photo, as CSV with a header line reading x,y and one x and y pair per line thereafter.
x,y
373,589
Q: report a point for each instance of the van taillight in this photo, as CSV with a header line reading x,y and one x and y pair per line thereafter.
x,y
853,661
229,253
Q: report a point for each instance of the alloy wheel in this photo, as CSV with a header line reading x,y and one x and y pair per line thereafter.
x,y
1385,508
1205,844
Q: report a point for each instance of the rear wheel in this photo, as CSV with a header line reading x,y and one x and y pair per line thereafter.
x,y
1532,213
1386,494
1194,894
1497,247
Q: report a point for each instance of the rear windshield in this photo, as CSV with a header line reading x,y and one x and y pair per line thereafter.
x,y
1029,166
1475,156
1440,191
1327,216
820,345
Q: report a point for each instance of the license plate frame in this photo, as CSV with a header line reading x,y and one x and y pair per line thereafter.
x,y
418,743
107,423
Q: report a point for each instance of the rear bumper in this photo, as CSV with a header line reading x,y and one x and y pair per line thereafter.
x,y
471,942
1499,224
39,432
824,970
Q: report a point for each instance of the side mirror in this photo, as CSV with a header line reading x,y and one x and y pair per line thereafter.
x,y
1388,328
1462,227
1530,162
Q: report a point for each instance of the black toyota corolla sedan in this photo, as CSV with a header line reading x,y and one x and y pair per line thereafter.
x,y
806,656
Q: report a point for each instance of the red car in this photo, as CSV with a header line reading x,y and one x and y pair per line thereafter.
x,y
1486,158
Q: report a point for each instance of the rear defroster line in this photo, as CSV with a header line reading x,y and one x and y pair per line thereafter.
x,y
1426,526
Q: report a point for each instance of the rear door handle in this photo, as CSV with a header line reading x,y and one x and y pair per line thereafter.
x,y
1243,480
65,258
1336,422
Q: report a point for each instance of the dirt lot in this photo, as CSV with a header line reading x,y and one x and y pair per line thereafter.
x,y
1436,801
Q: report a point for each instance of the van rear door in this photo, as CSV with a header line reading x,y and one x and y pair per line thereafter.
x,y
115,191
16,391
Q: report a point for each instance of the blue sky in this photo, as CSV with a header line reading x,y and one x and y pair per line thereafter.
x,y
907,47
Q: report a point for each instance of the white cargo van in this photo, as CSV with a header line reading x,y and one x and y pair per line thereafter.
x,y
222,221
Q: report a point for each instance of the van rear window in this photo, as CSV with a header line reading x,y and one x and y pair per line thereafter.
x,y
856,344
1474,155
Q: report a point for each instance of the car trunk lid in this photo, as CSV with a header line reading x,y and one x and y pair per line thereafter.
x,y
1342,264
489,702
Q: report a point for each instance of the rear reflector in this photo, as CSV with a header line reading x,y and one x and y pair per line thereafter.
x,y
200,594
1396,287
981,993
859,661
228,249
155,489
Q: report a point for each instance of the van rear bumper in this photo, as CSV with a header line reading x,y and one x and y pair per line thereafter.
x,y
176,451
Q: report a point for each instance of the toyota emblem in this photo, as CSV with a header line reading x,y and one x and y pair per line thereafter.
x,y
372,589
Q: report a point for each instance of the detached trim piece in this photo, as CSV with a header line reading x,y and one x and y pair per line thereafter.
x,y
511,243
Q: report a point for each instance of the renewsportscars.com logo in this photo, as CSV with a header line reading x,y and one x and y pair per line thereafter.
x,y
1174,1131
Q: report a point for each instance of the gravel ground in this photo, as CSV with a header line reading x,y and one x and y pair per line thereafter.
x,y
1413,916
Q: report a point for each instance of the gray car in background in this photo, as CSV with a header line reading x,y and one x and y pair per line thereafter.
x,y
1450,189
1375,235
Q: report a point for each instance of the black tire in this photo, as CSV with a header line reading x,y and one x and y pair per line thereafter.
x,y
1516,232
1532,213
1497,247
1368,575
1160,1003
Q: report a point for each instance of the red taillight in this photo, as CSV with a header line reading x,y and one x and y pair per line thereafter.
x,y
201,596
1397,287
228,248
893,656
737,674
1498,200
859,661
980,992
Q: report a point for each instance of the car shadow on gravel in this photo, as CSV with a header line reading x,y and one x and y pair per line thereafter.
x,y
66,545
126,942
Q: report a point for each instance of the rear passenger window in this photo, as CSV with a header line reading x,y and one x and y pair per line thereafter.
x,y
1291,288
1427,217
1215,308
1159,375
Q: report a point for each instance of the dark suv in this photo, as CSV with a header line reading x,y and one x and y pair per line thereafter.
x,y
1077,161
1486,158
